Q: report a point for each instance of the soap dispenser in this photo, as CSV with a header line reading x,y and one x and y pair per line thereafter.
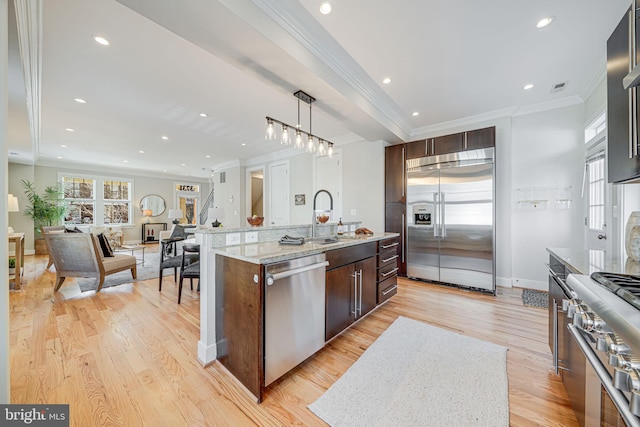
x,y
340,227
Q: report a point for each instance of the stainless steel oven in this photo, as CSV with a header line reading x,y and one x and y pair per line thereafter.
x,y
605,330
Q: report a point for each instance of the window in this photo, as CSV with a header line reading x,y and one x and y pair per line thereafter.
x,y
597,182
93,198
595,128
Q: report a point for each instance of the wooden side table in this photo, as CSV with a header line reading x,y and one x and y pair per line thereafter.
x,y
18,240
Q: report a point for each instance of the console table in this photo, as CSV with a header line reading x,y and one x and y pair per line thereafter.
x,y
151,231
18,240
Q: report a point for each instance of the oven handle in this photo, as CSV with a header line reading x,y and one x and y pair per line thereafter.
x,y
568,292
616,395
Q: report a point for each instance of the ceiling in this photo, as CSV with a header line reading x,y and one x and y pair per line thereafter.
x,y
241,60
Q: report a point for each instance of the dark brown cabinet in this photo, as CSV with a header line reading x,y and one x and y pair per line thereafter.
x,y
395,221
387,267
480,138
623,162
394,173
351,287
448,144
417,149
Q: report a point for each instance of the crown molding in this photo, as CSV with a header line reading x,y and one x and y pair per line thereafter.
x,y
322,54
598,77
226,165
29,24
551,105
462,123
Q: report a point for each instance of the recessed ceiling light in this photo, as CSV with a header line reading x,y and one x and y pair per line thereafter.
x,y
243,144
165,137
415,113
80,100
208,156
141,151
59,157
386,80
63,146
164,170
325,8
101,40
70,130
126,161
528,86
182,164
544,21
204,115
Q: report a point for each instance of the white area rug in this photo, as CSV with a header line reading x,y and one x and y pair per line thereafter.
x,y
415,374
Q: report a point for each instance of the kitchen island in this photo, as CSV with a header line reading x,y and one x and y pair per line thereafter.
x,y
233,292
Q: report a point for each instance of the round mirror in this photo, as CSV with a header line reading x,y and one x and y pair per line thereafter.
x,y
153,203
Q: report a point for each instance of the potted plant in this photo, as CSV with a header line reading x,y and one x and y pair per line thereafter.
x,y
46,209
12,266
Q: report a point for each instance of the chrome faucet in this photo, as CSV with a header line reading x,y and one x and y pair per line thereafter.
x,y
314,219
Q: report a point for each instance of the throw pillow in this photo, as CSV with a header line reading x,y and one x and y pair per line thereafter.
x,y
72,230
104,245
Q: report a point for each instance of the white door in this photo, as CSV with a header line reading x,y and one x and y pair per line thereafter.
x,y
279,193
329,177
595,190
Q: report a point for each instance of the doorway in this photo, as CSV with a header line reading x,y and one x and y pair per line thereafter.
x,y
255,191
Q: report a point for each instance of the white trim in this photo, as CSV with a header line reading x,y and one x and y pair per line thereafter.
x,y
596,79
431,130
529,284
269,214
551,105
248,193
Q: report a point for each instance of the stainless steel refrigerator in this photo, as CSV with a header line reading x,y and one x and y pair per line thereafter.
x,y
451,218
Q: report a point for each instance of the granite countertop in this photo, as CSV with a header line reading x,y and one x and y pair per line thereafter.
x,y
591,261
270,252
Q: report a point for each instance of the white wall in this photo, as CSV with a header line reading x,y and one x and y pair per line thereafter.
x,y
301,182
231,196
363,183
547,152
17,220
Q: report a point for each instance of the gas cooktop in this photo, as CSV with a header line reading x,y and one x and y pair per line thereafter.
x,y
626,286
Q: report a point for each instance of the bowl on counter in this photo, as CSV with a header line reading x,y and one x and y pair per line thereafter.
x,y
255,221
322,218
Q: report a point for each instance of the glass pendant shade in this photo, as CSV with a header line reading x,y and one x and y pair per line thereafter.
x,y
311,147
321,147
285,138
270,131
330,151
298,144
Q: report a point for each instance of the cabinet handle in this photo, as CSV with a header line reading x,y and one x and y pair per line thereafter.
x,y
464,143
402,238
633,127
555,336
389,259
390,246
404,166
360,304
355,294
389,272
389,290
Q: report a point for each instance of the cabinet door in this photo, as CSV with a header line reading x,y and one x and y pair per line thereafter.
x,y
368,297
481,138
448,144
339,300
396,222
417,149
394,173
620,166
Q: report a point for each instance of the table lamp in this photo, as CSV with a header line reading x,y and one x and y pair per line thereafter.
x,y
216,213
147,213
12,206
175,215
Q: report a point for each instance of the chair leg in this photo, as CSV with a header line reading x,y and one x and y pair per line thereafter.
x,y
134,272
180,290
160,281
49,264
191,280
59,280
175,273
100,282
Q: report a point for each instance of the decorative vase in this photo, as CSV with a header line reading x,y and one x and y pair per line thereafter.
x,y
633,221
633,243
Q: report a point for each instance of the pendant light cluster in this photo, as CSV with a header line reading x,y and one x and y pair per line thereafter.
x,y
294,135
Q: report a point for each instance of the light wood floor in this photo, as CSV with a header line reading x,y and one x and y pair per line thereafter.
x,y
127,356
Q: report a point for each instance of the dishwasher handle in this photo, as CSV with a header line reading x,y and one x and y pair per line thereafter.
x,y
271,278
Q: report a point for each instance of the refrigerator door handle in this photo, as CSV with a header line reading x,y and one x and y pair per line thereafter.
x,y
443,228
436,214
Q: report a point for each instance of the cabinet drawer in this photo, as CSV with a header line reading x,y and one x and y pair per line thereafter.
x,y
386,245
387,289
388,258
351,254
386,272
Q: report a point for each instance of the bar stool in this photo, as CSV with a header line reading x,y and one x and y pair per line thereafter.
x,y
190,267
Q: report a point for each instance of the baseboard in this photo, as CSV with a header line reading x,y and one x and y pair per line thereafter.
x,y
503,282
530,284
206,354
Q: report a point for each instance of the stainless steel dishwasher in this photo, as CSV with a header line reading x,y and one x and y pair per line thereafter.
x,y
294,313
